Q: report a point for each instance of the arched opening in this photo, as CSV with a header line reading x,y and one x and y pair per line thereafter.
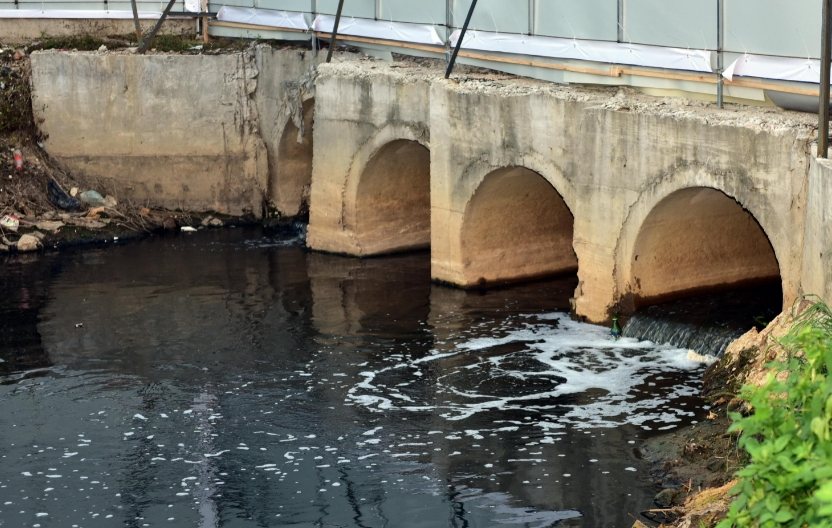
x,y
392,210
703,272
294,165
516,227
698,239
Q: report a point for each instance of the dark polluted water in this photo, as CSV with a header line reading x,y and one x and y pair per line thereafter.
x,y
230,379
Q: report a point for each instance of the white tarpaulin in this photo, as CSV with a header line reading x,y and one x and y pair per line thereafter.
x,y
263,17
781,68
589,50
75,13
379,29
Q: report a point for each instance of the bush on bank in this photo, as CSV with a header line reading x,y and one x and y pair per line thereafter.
x,y
788,436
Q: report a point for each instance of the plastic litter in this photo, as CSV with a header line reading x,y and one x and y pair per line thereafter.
x,y
18,160
10,222
60,198
92,198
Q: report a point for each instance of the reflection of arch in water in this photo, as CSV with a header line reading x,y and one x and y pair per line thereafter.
x,y
697,238
516,226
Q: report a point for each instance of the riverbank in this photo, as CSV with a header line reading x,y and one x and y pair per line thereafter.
x,y
694,468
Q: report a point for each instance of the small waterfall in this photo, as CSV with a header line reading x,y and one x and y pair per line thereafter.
x,y
707,323
711,341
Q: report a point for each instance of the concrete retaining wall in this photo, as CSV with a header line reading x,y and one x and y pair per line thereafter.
x,y
198,132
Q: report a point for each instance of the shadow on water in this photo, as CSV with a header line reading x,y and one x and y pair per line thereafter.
x,y
234,379
708,322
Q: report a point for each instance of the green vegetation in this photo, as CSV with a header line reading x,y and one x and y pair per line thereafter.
x,y
788,436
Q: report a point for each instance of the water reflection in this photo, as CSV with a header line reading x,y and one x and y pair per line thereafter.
x,y
227,379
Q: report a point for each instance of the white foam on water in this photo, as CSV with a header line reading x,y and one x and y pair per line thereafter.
x,y
569,358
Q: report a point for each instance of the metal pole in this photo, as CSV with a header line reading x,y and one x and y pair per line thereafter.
x,y
136,25
335,31
461,38
148,39
720,58
823,111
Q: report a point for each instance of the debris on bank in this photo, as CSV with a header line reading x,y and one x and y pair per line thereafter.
x,y
42,204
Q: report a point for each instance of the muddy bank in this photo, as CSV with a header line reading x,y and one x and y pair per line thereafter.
x,y
694,467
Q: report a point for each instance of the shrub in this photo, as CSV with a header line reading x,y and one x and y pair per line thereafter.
x,y
788,480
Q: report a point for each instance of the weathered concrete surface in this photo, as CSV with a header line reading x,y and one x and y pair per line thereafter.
x,y
21,30
285,105
175,131
817,242
613,159
362,171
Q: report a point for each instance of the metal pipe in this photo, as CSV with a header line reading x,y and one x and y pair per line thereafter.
x,y
720,56
823,110
461,38
335,31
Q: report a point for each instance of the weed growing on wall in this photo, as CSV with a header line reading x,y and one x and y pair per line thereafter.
x,y
788,481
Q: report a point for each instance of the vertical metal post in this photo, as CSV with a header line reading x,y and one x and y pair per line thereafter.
x,y
314,14
620,20
335,31
532,16
136,25
378,9
461,38
823,110
720,58
449,26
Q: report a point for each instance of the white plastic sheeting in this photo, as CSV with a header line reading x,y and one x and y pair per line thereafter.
x,y
360,27
588,50
263,17
75,13
781,68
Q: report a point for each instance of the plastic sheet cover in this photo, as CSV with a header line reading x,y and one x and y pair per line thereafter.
x,y
263,17
588,50
75,13
781,68
360,27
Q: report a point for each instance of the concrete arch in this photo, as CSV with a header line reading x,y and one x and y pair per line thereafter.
x,y
475,173
293,167
516,226
386,205
737,238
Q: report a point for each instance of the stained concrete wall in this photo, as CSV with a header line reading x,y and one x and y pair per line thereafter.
x,y
613,158
175,131
360,108
284,98
817,246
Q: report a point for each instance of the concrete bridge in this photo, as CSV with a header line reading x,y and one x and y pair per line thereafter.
x,y
506,179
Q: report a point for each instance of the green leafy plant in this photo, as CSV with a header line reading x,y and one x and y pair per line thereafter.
x,y
788,436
